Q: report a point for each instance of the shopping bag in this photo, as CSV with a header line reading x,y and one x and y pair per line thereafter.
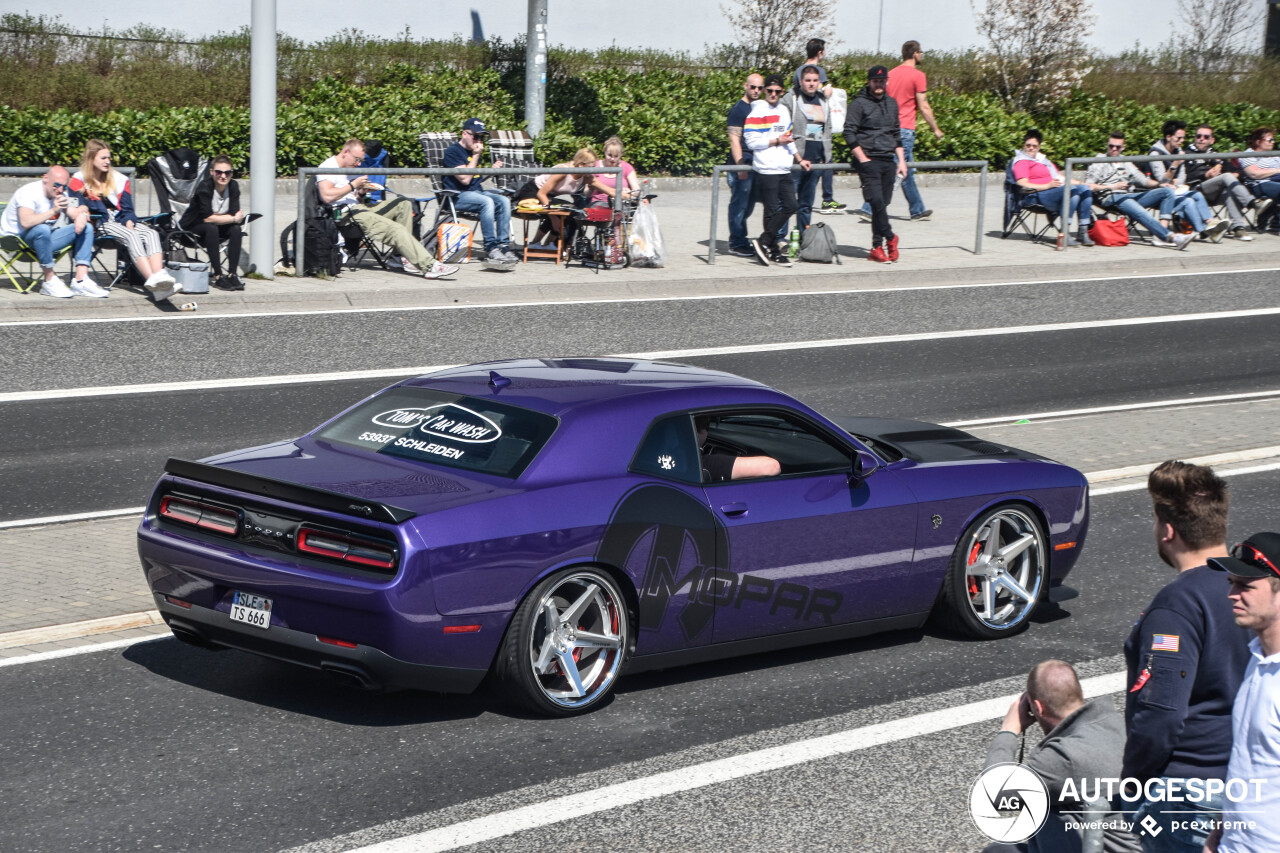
x,y
1109,232
646,239
453,242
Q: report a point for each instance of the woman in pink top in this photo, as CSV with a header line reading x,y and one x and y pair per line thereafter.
x,y
1040,183
605,185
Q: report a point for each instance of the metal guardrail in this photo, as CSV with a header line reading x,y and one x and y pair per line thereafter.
x,y
1064,223
307,171
925,165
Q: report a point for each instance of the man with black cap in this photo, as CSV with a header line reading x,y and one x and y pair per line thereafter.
x,y
874,135
1252,823
1186,657
493,208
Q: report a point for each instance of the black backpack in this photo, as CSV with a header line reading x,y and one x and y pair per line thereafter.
x,y
322,256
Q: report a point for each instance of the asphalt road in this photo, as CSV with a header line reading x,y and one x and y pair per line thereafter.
x,y
99,453
167,747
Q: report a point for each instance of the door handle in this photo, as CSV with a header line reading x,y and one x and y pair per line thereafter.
x,y
734,509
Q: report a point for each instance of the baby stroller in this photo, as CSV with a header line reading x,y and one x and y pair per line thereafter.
x,y
603,240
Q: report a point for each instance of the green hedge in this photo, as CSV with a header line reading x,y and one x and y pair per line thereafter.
x,y
671,122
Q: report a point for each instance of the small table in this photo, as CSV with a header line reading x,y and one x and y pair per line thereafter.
x,y
533,215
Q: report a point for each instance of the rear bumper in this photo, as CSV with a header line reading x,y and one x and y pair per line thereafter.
x,y
363,666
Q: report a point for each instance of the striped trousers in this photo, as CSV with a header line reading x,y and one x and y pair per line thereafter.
x,y
141,241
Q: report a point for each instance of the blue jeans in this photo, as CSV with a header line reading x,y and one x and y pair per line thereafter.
x,y
1170,820
806,188
1081,204
1129,206
1193,208
46,242
1160,198
494,210
915,204
742,202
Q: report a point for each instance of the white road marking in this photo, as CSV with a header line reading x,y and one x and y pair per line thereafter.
x,y
399,373
1142,484
536,815
1182,402
192,317
1229,458
76,516
80,650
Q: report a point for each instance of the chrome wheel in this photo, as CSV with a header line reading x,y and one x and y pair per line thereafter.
x,y
577,639
998,571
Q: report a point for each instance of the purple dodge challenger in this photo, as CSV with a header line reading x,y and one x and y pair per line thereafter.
x,y
552,523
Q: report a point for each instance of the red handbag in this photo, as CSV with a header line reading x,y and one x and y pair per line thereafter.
x,y
1109,232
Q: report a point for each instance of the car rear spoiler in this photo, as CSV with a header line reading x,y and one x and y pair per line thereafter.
x,y
267,487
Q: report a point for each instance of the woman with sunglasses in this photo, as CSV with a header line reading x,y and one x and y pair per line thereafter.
x,y
107,194
1262,175
214,216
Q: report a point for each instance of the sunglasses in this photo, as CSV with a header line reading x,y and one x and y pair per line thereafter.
x,y
58,186
1204,136
222,173
1253,556
755,88
773,91
1117,147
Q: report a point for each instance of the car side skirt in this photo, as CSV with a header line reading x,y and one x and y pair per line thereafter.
x,y
364,666
777,642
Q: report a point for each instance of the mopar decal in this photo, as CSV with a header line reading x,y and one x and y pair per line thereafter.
x,y
680,550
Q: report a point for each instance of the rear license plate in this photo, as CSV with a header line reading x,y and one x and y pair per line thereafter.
x,y
251,610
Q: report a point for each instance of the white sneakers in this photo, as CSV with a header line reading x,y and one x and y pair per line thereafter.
x,y
1175,241
56,288
162,286
439,270
88,287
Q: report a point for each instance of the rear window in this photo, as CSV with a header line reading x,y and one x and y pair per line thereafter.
x,y
445,429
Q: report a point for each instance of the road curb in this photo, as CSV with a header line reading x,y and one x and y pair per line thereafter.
x,y
76,630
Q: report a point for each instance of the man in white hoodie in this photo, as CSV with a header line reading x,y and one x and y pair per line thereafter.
x,y
767,132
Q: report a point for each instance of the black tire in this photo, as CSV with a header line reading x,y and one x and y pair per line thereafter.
x,y
993,585
566,644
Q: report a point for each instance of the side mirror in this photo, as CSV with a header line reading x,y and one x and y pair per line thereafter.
x,y
864,465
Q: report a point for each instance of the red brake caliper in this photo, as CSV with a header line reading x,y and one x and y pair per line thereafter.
x,y
973,558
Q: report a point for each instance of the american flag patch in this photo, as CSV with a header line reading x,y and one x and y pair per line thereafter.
x,y
1164,642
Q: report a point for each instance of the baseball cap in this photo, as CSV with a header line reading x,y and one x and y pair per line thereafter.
x,y
476,126
1256,557
877,71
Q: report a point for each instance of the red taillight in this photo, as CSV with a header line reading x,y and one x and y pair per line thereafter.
x,y
178,601
203,515
331,641
349,549
461,629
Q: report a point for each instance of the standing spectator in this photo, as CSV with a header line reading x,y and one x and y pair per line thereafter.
x,y
1185,657
1253,824
875,139
390,222
1113,188
1191,204
1040,182
493,208
815,50
742,200
1220,186
811,126
1082,742
1262,175
214,215
768,134
907,85
31,214
108,195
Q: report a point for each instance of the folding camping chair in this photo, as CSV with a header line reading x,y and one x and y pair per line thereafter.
x,y
14,250
176,175
434,143
356,244
1016,212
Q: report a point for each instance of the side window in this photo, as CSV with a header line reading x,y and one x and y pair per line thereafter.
x,y
796,446
669,450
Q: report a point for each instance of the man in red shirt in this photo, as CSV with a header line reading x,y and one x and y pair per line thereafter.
x,y
907,85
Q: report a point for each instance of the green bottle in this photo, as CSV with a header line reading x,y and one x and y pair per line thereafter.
x,y
794,250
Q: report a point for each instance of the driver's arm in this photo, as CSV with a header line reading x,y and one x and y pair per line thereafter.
x,y
745,467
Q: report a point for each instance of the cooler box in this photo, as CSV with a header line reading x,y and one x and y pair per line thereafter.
x,y
192,275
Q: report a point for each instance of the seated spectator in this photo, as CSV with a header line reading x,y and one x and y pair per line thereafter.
x,y
1188,203
1220,186
1040,183
604,186
493,208
214,216
1083,741
32,213
1262,175
390,222
1113,187
108,195
562,188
